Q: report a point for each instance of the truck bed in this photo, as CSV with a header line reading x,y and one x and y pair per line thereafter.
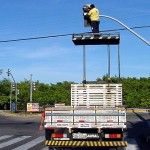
x,y
85,117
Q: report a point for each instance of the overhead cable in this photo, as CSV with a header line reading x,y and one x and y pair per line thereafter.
x,y
61,35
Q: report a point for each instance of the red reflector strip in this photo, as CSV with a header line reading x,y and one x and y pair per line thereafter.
x,y
59,121
109,120
81,121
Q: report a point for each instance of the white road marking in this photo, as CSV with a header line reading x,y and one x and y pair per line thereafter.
x,y
15,140
31,143
5,137
132,144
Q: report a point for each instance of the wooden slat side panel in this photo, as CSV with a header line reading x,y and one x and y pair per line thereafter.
x,y
96,94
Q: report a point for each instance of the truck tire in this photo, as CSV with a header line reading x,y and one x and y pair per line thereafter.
x,y
118,148
121,148
55,148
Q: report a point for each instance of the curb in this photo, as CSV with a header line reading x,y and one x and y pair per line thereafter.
x,y
8,113
138,110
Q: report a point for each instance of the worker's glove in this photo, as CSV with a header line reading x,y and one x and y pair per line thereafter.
x,y
85,14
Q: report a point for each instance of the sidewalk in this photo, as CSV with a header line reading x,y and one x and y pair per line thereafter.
x,y
19,114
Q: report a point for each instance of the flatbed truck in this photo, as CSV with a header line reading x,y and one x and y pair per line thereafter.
x,y
96,118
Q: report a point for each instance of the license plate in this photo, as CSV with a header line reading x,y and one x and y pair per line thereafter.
x,y
62,124
85,136
84,125
79,135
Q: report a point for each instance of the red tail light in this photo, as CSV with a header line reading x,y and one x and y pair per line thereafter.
x,y
56,135
113,136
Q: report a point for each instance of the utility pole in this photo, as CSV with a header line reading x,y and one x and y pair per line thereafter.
x,y
16,93
31,88
10,95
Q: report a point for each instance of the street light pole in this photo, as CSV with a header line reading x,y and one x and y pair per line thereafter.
x,y
140,37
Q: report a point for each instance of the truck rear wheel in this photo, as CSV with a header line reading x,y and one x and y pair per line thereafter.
x,y
56,148
121,148
118,148
53,148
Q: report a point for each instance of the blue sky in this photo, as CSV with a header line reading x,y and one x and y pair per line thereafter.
x,y
54,60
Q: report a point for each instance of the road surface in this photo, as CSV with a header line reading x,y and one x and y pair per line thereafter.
x,y
21,133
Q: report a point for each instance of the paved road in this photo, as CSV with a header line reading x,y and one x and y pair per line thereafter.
x,y
138,126
21,133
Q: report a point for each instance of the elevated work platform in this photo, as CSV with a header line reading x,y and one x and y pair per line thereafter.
x,y
96,39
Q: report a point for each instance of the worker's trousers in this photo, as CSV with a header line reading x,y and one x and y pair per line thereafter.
x,y
95,26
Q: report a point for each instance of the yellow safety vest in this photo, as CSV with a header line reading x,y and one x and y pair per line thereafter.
x,y
94,14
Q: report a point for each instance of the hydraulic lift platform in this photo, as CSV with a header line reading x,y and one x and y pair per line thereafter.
x,y
96,39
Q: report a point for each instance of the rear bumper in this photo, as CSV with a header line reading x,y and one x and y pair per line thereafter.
x,y
86,143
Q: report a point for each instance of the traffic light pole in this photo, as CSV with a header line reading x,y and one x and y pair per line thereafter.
x,y
10,95
148,43
16,91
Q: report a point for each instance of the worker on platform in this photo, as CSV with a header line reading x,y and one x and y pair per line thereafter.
x,y
94,17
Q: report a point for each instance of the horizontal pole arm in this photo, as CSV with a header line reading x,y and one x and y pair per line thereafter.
x,y
140,37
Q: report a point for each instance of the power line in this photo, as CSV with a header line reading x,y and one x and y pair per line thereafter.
x,y
139,27
60,35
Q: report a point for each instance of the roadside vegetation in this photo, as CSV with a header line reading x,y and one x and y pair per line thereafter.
x,y
136,92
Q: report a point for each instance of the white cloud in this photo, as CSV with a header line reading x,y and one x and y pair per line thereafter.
x,y
33,53
46,52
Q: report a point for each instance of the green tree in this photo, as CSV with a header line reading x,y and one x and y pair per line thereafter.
x,y
4,92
